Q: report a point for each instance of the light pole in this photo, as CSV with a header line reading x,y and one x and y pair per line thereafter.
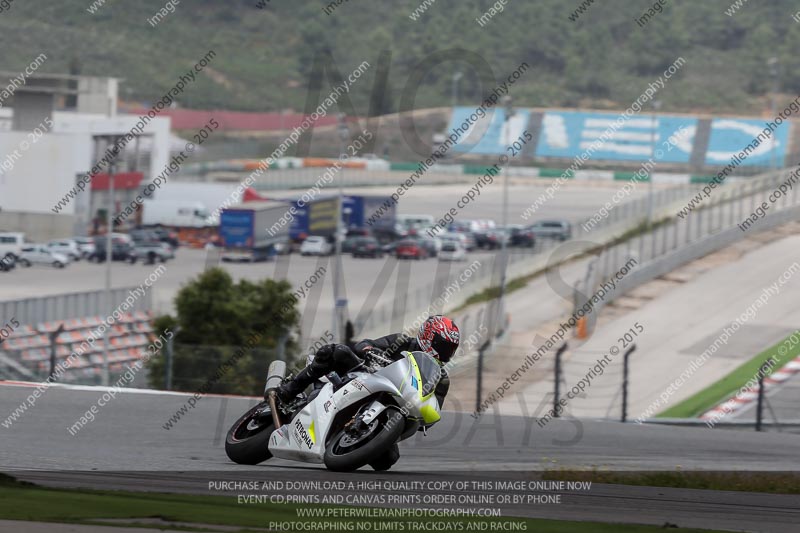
x,y
340,303
456,77
773,69
115,150
509,112
653,135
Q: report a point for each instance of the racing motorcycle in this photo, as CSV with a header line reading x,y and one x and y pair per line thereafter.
x,y
345,422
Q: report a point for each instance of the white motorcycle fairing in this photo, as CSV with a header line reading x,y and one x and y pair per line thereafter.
x,y
305,437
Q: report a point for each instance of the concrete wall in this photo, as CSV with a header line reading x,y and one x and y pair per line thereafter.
x,y
39,172
38,227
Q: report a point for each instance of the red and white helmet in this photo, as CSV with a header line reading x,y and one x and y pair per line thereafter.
x,y
439,337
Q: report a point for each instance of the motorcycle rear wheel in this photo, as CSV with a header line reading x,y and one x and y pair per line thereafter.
x,y
344,453
248,439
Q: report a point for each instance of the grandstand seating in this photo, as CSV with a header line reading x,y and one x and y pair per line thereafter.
x,y
127,338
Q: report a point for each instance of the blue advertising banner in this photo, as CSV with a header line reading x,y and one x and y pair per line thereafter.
x,y
568,134
487,134
729,136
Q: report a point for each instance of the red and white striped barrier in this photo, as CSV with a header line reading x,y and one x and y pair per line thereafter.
x,y
750,395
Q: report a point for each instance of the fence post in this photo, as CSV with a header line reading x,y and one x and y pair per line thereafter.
x,y
479,379
557,384
677,223
625,383
654,232
168,363
760,406
53,342
732,218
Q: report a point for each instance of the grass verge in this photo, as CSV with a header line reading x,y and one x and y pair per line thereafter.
x,y
727,386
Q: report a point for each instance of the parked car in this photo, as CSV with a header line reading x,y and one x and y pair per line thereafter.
x,y
282,248
85,245
66,247
349,244
466,239
167,236
11,244
452,251
150,252
494,238
359,232
144,235
42,255
410,249
432,245
552,229
522,236
7,263
472,229
316,245
121,249
367,247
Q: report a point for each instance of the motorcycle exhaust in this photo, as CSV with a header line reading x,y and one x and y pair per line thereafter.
x,y
275,375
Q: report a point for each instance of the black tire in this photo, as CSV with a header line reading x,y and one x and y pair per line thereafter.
x,y
58,264
387,460
247,446
25,263
342,459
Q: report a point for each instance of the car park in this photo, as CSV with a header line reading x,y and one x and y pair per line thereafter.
x,y
452,251
367,247
40,254
552,229
316,245
68,247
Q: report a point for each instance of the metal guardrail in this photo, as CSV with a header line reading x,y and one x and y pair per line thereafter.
x,y
69,306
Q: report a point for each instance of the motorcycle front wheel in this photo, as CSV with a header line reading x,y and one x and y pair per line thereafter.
x,y
352,448
248,438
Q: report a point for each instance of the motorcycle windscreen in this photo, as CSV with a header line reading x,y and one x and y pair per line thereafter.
x,y
428,372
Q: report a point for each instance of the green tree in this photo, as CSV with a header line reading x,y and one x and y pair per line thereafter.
x,y
226,333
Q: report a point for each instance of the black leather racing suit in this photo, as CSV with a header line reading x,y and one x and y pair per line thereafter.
x,y
341,359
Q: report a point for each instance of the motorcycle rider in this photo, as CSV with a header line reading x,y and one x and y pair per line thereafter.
x,y
438,336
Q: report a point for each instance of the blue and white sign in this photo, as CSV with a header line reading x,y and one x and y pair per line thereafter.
x,y
568,134
488,134
729,136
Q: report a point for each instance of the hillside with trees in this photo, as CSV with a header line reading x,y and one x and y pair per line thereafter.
x,y
602,60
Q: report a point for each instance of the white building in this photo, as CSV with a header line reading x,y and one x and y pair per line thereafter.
x,y
48,147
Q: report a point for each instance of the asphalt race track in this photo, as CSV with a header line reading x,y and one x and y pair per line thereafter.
x,y
127,447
